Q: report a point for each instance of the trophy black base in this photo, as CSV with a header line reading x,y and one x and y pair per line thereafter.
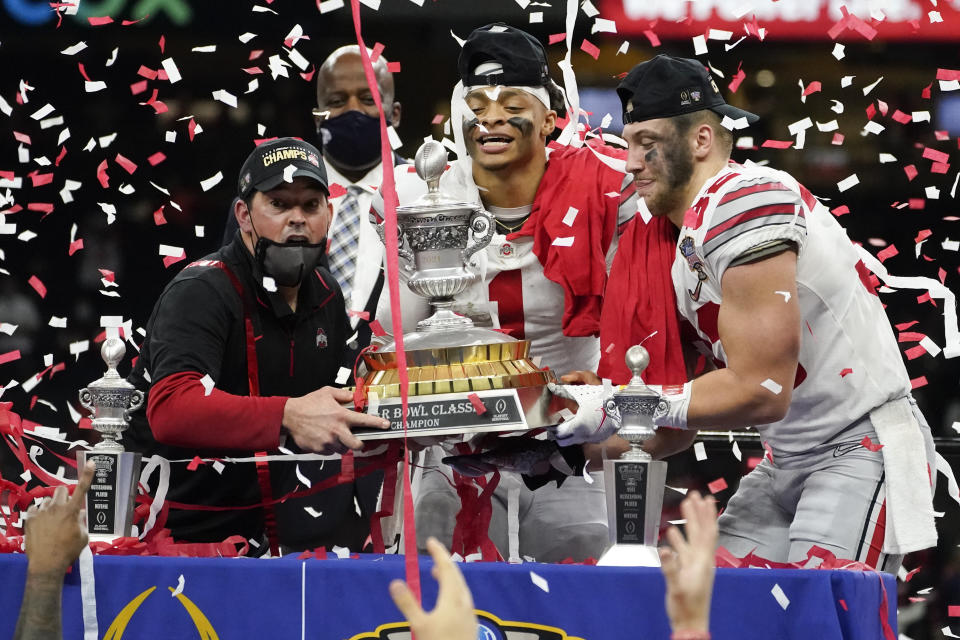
x,y
111,496
634,490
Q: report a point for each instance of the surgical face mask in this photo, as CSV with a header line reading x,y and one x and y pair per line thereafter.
x,y
352,140
287,263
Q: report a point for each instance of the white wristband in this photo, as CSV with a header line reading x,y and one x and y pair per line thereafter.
x,y
674,402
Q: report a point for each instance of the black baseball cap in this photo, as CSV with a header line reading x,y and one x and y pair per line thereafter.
x,y
666,86
521,55
264,168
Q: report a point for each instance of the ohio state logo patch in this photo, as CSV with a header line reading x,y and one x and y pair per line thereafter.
x,y
321,339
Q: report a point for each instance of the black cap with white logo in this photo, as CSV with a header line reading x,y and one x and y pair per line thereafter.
x,y
267,166
666,86
522,60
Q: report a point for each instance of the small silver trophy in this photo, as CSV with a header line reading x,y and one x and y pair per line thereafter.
x,y
111,399
634,483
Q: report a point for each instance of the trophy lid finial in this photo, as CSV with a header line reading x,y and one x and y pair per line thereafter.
x,y
430,161
637,359
112,352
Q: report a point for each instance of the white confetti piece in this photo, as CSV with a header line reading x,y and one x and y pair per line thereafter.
x,y
288,172
873,127
7,328
394,138
212,181
828,126
719,34
173,74
247,37
304,480
623,47
112,58
681,490
198,230
586,475
540,582
570,216
699,451
5,107
949,85
208,384
373,403
848,182
207,48
94,86
259,9
180,584
252,86
932,193
935,16
867,89
76,348
343,374
930,346
846,81
837,106
566,241
536,17
341,552
588,8
785,294
165,250
316,514
920,116
602,25
734,124
269,284
950,245
735,449
42,112
51,122
780,596
225,97
74,49
170,136
948,633
107,140
58,323
771,386
838,51
218,466
297,58
699,45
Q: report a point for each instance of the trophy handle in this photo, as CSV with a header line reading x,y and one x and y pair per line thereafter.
x,y
86,399
611,409
136,401
402,251
481,232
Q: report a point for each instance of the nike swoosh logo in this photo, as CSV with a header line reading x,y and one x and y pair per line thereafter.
x,y
845,448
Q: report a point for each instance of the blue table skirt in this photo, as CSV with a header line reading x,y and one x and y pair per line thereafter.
x,y
348,599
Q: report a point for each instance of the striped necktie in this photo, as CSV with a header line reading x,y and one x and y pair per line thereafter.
x,y
342,256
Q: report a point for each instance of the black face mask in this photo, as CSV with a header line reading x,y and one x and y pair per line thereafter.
x,y
352,140
287,263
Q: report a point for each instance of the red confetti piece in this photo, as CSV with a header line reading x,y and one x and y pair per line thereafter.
x,y
841,210
102,175
910,336
158,105
926,92
158,218
375,54
196,462
98,21
191,128
253,70
363,315
777,144
912,573
911,172
63,152
147,72
169,260
915,352
768,451
939,167
814,87
654,40
393,67
308,76
156,158
837,139
9,356
942,275
21,137
917,203
162,75
916,599
953,611
922,235
38,286
948,74
883,107
843,604
75,246
477,403
846,372
377,329
40,179
936,156
590,49
557,37
925,298
717,485
737,79
871,111
901,117
870,445
906,325
610,347
887,253
83,72
43,207
944,135
138,87
128,165
438,119
916,383
337,190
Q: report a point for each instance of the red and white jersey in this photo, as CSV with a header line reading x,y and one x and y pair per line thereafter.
x,y
849,362
526,304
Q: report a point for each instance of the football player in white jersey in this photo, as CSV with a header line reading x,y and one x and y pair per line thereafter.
x,y
539,290
771,282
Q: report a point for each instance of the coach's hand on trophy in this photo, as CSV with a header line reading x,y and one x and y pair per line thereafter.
x,y
319,422
591,423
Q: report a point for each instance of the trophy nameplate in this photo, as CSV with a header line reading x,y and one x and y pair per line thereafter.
x,y
635,482
112,493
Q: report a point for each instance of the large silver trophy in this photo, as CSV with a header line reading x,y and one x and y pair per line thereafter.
x,y
463,378
634,483
111,399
